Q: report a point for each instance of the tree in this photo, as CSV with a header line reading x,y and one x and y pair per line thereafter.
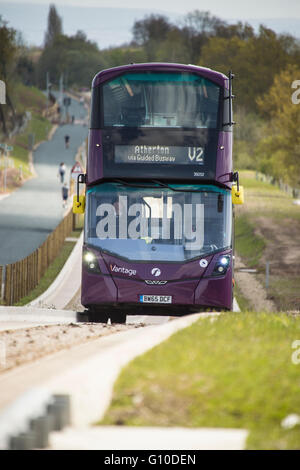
x,y
241,30
54,28
279,150
174,48
203,23
8,51
255,61
25,68
115,56
152,27
149,33
196,29
73,56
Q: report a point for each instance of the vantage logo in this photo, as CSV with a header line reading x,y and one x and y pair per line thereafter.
x,y
121,269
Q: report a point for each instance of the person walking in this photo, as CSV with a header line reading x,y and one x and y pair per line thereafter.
x,y
62,171
65,194
67,140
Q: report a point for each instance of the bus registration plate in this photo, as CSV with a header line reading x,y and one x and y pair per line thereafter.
x,y
156,299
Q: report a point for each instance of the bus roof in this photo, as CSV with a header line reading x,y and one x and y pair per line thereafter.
x,y
210,74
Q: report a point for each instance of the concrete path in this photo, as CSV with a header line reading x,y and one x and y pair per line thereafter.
x,y
31,213
13,318
67,283
87,373
25,313
91,394
149,438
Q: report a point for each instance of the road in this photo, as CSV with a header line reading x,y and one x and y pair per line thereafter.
x,y
31,213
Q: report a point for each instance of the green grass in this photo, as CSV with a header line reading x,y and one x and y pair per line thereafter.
x,y
29,98
231,371
243,303
39,126
267,229
285,291
33,100
266,200
248,245
50,274
20,158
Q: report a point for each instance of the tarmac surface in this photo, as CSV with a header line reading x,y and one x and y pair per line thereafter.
x,y
30,214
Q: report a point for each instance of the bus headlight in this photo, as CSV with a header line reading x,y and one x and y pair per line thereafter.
x,y
221,265
90,262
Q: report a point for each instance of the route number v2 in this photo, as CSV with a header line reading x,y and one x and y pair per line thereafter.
x,y
196,153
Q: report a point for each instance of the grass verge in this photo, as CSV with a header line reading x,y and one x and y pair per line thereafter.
x,y
267,228
285,292
266,200
50,274
244,304
230,371
249,245
33,100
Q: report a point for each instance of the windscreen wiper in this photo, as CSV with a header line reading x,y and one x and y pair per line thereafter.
x,y
166,185
159,184
134,185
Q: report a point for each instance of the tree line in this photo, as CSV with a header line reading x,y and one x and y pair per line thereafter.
x,y
265,65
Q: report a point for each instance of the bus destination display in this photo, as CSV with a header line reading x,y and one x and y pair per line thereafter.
x,y
177,155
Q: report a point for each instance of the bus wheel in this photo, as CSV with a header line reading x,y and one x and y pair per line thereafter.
x,y
97,317
82,316
117,317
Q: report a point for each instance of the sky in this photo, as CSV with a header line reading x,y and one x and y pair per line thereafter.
x,y
109,27
225,8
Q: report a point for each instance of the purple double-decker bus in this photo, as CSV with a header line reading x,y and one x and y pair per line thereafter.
x,y
158,205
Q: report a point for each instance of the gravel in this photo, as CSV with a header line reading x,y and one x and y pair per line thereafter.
x,y
29,344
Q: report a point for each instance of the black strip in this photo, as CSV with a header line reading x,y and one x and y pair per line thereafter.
x,y
123,258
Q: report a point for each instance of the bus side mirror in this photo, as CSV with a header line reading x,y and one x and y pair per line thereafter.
x,y
237,196
78,205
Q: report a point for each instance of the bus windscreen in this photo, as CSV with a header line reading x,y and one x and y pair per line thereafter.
x,y
156,223
161,100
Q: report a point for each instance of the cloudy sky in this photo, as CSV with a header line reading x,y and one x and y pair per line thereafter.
x,y
224,8
107,27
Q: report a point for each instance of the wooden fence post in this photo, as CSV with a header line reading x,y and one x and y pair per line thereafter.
x,y
1,290
24,275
